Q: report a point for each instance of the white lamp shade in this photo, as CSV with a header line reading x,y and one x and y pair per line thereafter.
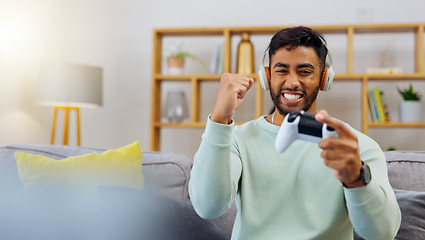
x,y
70,85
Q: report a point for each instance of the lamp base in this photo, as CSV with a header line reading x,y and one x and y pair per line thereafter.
x,y
66,110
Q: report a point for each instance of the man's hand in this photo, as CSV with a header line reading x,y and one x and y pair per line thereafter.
x,y
231,92
342,153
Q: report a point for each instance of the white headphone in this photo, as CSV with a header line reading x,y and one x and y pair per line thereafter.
x,y
325,80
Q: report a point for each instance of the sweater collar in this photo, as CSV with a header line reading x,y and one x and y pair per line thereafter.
x,y
266,125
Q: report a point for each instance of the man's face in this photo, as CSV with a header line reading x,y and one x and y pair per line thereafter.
x,y
295,77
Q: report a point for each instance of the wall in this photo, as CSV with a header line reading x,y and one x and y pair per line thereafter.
x,y
116,35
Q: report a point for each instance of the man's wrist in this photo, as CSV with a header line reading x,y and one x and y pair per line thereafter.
x,y
356,184
221,120
364,177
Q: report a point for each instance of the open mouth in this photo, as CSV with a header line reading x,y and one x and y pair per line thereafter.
x,y
292,97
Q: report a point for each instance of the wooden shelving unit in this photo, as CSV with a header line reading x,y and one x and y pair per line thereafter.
x,y
366,124
227,32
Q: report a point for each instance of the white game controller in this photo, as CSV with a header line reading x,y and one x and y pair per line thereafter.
x,y
301,125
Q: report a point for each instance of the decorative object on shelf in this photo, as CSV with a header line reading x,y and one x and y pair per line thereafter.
x,y
383,58
384,70
175,65
68,87
176,60
175,107
216,65
245,58
383,65
410,109
391,148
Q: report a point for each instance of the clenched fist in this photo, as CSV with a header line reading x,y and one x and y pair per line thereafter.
x,y
231,92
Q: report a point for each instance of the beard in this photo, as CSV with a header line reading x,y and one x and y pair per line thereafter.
x,y
308,100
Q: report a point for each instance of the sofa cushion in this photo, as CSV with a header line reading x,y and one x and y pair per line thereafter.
x,y
406,170
167,173
9,177
109,214
120,167
412,206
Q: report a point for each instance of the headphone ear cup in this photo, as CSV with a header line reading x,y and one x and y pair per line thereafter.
x,y
327,78
264,75
323,78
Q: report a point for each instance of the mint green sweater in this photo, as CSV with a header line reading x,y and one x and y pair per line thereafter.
x,y
291,195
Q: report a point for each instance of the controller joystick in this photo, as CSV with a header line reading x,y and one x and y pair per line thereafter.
x,y
301,125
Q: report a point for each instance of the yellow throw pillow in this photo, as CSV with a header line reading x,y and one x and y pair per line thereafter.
x,y
120,167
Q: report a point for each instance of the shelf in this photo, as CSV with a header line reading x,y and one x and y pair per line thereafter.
x,y
189,31
396,124
202,124
182,124
185,124
358,76
226,33
358,28
403,76
187,77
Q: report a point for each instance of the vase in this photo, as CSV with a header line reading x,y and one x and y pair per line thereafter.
x,y
245,58
410,111
175,107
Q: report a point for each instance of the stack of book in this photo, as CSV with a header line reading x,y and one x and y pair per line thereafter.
x,y
378,106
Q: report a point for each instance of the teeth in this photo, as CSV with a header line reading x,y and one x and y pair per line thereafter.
x,y
290,96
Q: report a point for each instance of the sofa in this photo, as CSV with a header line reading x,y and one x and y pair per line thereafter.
x,y
161,211
164,203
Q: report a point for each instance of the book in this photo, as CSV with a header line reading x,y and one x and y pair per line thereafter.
x,y
385,106
372,105
379,105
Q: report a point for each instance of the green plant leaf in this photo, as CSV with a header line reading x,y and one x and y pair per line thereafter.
x,y
408,94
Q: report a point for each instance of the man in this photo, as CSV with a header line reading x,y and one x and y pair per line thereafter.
x,y
310,191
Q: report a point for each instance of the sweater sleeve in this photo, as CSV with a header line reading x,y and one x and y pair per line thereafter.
x,y
216,171
373,209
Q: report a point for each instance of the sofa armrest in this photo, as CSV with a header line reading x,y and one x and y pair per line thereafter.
x,y
406,170
167,173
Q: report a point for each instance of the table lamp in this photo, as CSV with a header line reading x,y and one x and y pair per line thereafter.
x,y
68,87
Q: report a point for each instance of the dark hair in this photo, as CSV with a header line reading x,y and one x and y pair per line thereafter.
x,y
293,37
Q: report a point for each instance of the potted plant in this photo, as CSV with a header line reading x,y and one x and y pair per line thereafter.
x,y
176,60
410,109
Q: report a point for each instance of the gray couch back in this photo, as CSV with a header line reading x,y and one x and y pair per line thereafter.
x,y
406,170
166,173
169,173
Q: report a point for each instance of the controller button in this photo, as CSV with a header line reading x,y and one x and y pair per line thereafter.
x,y
294,114
330,128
